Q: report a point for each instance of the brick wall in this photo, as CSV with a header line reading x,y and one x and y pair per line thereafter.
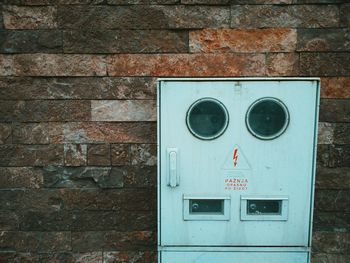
x,y
78,113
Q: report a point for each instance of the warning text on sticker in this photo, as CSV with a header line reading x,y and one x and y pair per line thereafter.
x,y
236,184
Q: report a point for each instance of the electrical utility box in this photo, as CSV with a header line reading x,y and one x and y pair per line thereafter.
x,y
236,169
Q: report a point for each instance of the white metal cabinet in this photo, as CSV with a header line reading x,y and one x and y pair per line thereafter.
x,y
237,171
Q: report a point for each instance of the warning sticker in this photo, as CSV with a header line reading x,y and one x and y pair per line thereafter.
x,y
236,160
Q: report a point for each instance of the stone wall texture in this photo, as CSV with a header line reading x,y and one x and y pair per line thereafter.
x,y
78,113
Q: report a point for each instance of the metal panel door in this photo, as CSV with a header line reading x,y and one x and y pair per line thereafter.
x,y
243,187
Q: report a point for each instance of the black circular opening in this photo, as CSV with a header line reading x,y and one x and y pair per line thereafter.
x,y
267,118
207,118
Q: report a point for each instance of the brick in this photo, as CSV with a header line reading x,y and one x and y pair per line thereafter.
x,y
335,110
123,110
27,257
120,154
339,156
136,199
119,221
141,176
21,177
282,64
125,41
84,177
143,17
35,241
345,15
30,155
52,65
333,178
323,155
75,154
323,39
93,257
8,221
325,133
325,64
191,65
30,41
335,87
113,240
94,199
330,242
88,220
31,133
44,110
333,222
342,133
26,88
142,2
143,154
292,16
205,2
325,258
130,256
21,17
332,200
5,133
320,1
102,132
99,154
246,40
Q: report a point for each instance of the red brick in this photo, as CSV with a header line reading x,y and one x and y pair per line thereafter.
x,y
335,87
21,17
240,40
192,65
52,65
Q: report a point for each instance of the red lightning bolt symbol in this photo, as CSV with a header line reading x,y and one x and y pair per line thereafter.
x,y
235,157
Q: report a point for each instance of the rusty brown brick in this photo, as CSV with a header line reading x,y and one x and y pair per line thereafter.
x,y
335,87
21,17
187,65
243,40
52,65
